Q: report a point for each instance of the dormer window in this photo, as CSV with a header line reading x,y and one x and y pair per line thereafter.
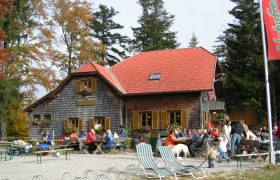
x,y
155,76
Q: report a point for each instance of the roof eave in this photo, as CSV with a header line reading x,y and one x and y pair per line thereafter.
x,y
165,92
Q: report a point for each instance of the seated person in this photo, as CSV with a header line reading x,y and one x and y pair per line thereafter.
x,y
73,136
46,141
109,138
195,141
205,137
123,132
91,137
83,135
74,139
180,133
264,133
171,139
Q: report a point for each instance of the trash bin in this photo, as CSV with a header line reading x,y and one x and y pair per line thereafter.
x,y
155,141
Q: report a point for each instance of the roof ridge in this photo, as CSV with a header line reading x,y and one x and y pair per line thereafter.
x,y
116,80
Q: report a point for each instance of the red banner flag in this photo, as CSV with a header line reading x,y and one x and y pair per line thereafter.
x,y
271,14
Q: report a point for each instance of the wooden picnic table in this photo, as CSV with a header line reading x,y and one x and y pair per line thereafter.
x,y
6,148
98,144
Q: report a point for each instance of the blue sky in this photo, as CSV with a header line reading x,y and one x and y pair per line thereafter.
x,y
206,18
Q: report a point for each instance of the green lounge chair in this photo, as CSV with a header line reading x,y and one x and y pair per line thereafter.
x,y
168,157
147,163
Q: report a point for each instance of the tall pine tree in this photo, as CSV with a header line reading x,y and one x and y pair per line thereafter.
x,y
243,62
194,42
105,30
154,31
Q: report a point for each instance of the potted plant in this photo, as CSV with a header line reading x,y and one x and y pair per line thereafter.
x,y
98,127
221,117
85,91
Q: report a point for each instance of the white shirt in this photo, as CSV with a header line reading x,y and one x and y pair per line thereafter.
x,y
226,131
222,146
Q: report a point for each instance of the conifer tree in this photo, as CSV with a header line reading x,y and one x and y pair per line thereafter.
x,y
105,30
194,42
154,31
242,59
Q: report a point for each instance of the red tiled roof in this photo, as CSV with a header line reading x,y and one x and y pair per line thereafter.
x,y
93,67
189,69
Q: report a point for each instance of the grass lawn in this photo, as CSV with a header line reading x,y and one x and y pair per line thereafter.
x,y
270,172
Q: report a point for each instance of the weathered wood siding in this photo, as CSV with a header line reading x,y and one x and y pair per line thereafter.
x,y
64,106
189,102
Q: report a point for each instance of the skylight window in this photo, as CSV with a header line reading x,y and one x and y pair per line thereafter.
x,y
155,76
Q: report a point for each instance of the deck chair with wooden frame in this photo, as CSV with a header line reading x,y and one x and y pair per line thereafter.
x,y
147,163
168,157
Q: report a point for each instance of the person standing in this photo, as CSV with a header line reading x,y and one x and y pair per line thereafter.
x,y
210,155
236,131
223,150
226,133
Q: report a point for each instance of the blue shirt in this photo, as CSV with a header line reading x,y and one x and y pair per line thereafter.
x,y
123,133
82,135
109,140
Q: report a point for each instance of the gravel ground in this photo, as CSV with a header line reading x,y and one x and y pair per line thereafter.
x,y
52,168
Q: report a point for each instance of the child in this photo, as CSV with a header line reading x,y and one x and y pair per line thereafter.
x,y
210,155
223,150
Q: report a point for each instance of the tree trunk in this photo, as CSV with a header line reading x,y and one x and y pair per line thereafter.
x,y
3,128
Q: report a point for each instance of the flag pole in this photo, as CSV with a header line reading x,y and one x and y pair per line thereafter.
x,y
271,154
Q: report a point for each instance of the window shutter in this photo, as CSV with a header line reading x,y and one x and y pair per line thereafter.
x,y
91,123
209,117
80,125
136,123
65,124
184,119
78,86
93,85
206,116
107,123
154,120
163,120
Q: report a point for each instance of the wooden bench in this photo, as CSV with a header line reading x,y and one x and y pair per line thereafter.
x,y
120,143
66,151
259,157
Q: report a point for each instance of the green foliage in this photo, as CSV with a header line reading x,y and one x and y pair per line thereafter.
x,y
69,130
105,30
242,61
128,129
9,100
153,33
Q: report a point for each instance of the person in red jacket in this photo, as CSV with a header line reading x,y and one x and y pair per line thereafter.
x,y
91,137
171,139
215,134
